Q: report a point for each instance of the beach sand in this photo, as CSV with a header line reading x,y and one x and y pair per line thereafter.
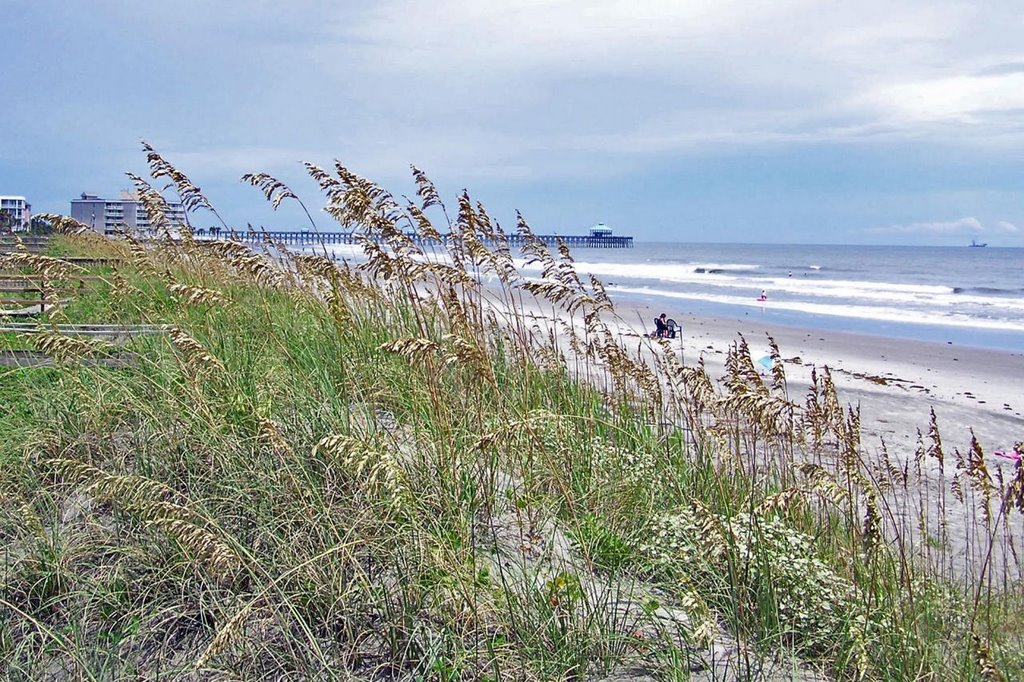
x,y
896,382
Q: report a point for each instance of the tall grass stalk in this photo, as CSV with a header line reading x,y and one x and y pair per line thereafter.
x,y
429,466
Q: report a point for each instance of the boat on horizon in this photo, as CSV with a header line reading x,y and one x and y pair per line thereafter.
x,y
976,244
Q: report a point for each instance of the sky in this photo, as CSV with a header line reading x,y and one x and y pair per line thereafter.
x,y
793,121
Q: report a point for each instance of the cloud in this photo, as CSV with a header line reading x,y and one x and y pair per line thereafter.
x,y
968,225
559,86
556,87
515,95
1001,69
949,227
968,100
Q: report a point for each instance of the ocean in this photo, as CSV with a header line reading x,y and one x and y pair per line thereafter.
x,y
967,296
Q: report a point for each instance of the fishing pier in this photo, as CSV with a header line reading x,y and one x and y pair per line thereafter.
x,y
600,237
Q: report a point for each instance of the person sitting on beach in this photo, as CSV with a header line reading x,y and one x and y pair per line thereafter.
x,y
660,327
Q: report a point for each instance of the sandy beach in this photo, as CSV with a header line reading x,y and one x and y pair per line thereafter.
x,y
895,381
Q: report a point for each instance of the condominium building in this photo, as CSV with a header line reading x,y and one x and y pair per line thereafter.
x,y
20,210
125,214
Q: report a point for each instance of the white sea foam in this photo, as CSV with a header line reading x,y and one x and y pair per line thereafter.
x,y
738,283
670,272
850,292
863,312
351,251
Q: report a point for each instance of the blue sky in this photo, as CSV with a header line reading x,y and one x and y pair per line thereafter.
x,y
696,120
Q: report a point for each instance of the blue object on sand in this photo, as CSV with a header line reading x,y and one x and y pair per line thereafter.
x,y
765,362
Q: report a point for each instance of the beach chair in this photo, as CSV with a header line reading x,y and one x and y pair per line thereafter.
x,y
671,327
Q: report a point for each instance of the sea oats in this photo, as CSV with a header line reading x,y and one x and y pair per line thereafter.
x,y
196,355
193,295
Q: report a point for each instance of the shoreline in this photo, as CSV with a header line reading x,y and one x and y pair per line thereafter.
x,y
895,381
895,385
768,313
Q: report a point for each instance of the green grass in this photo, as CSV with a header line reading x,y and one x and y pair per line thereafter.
x,y
327,478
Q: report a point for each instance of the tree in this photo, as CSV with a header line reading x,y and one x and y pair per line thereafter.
x,y
40,225
7,222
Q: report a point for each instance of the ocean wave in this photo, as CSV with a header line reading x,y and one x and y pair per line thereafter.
x,y
741,282
687,274
343,250
863,312
850,291
996,291
664,271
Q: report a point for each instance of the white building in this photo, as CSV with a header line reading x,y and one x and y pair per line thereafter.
x,y
125,214
20,209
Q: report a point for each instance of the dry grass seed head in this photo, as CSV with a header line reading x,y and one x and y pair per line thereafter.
x,y
228,634
245,262
63,224
148,500
273,189
49,267
822,482
192,197
421,224
414,349
371,464
193,295
980,478
778,369
271,435
19,511
196,355
66,349
1014,495
121,289
872,529
983,657
833,416
156,207
312,266
425,189
698,385
935,441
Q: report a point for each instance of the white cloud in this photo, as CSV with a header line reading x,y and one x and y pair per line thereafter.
x,y
540,81
543,90
960,226
962,99
968,225
559,87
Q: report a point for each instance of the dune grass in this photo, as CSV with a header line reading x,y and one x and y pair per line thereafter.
x,y
391,471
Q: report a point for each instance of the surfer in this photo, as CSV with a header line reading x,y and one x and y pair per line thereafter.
x,y
763,297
